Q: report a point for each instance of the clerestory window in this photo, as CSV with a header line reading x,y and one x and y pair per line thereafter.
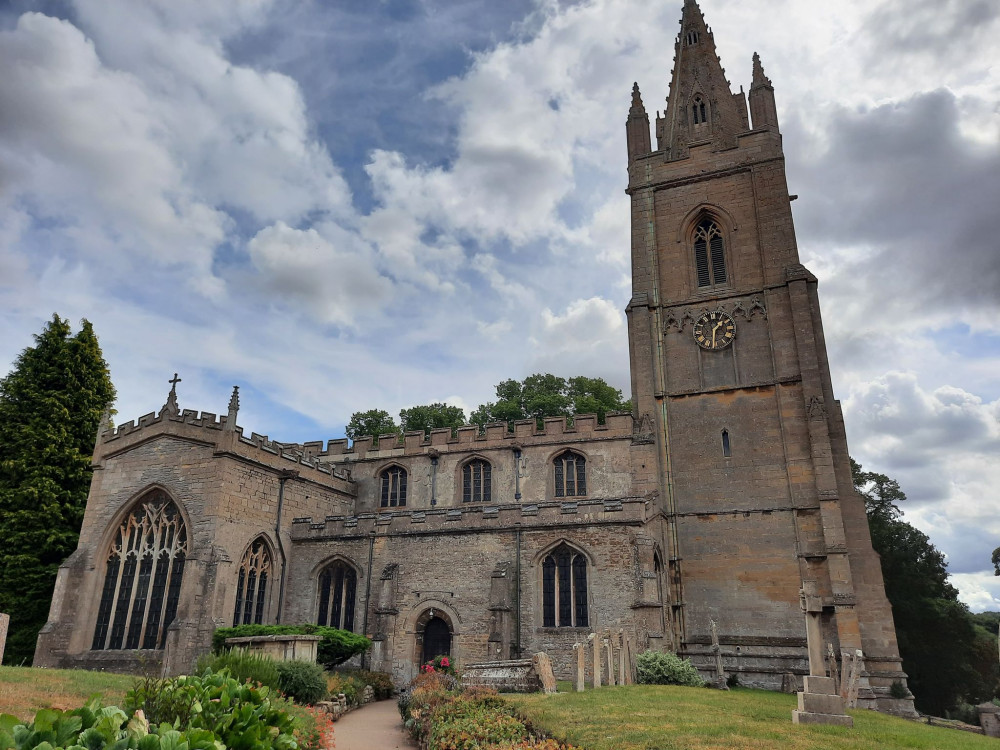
x,y
393,487
570,475
709,254
477,482
564,589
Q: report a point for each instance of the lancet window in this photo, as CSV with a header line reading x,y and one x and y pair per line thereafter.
x,y
337,588
477,482
252,585
142,579
709,254
698,110
393,487
570,475
564,588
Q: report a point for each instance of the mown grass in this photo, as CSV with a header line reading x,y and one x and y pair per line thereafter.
x,y
25,690
654,717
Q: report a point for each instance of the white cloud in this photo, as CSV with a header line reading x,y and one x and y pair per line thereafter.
x,y
588,337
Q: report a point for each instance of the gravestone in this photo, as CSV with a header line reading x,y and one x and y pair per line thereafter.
x,y
819,702
4,624
611,658
543,668
623,678
593,638
581,665
720,672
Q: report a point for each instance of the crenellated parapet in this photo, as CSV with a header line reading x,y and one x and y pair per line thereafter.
x,y
582,512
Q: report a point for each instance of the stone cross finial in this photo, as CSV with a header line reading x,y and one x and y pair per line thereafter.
x,y
171,406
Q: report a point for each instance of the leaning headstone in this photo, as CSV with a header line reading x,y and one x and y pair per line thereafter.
x,y
720,672
854,684
594,639
581,665
4,624
819,702
622,677
831,662
543,668
611,658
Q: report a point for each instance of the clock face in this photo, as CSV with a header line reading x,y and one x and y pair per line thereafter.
x,y
714,330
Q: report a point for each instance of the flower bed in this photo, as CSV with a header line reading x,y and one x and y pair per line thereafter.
x,y
441,716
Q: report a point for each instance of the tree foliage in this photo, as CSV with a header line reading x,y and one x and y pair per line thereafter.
x,y
50,409
431,417
938,640
373,422
546,395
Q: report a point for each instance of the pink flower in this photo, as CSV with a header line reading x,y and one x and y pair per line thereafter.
x,y
445,662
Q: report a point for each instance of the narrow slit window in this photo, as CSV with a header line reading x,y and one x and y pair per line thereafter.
x,y
727,450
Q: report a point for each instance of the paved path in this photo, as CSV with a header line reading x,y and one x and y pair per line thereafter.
x,y
374,727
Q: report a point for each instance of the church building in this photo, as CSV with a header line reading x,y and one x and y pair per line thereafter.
x,y
725,491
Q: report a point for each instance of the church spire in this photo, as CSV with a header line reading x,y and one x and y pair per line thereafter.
x,y
701,106
763,110
637,127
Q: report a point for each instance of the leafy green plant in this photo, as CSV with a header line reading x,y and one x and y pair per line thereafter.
x,y
381,682
303,681
898,690
242,665
666,668
336,647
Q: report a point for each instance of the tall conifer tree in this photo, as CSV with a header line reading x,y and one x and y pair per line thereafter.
x,y
51,405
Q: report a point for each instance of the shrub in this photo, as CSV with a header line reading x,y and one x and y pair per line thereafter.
x,y
381,683
336,647
665,668
313,726
347,684
439,664
243,666
898,690
303,681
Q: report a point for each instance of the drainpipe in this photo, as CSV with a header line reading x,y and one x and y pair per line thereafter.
x,y
283,476
517,471
517,596
368,592
434,474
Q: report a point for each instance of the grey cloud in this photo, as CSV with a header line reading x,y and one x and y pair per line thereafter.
x,y
939,27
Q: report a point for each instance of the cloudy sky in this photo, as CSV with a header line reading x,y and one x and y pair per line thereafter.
x,y
379,203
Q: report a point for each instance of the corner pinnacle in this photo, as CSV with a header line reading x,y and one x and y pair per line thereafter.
x,y
759,79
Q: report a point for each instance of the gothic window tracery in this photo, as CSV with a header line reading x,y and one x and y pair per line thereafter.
x,y
337,590
393,487
698,110
252,584
142,579
709,254
477,481
564,589
570,475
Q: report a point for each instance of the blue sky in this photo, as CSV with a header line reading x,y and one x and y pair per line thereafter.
x,y
351,205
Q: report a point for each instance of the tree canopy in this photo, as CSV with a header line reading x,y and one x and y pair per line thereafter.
x,y
373,422
51,405
431,417
939,642
546,395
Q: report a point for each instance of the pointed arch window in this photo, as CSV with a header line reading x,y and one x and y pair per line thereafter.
x,y
142,577
252,584
570,475
393,487
698,110
564,589
477,482
709,254
691,37
338,585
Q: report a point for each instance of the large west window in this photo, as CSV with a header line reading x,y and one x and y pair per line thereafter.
x,y
338,585
477,482
570,470
252,585
709,254
564,589
393,482
142,576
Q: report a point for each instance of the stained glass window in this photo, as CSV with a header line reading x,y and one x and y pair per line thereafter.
x,y
564,589
251,585
477,482
570,475
337,589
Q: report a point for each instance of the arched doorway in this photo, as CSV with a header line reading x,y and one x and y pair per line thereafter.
x,y
437,639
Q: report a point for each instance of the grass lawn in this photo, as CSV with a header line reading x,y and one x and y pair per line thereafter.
x,y
24,690
655,717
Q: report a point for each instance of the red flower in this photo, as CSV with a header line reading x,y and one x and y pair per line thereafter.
x,y
445,662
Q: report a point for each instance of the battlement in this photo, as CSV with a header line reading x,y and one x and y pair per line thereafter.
x,y
589,511
617,425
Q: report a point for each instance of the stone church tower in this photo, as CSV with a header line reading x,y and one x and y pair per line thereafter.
x,y
730,374
723,494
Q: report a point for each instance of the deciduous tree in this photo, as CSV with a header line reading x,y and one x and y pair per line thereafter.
x,y
431,417
546,395
50,409
373,422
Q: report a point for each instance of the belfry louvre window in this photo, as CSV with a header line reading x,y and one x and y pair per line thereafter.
x,y
337,587
477,480
709,254
142,579
698,110
251,587
570,475
393,487
564,589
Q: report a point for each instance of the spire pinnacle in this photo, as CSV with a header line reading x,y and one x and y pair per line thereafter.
x,y
637,106
759,79
234,401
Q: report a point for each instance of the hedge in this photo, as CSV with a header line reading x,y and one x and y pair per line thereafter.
x,y
336,647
